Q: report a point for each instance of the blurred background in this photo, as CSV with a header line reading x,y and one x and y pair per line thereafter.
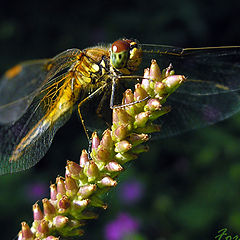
x,y
186,187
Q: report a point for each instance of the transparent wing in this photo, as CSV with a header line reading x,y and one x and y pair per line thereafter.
x,y
22,83
33,117
18,87
211,92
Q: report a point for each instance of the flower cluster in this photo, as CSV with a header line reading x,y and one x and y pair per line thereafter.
x,y
74,198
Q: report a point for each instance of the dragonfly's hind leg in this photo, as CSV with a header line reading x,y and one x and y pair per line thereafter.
x,y
82,102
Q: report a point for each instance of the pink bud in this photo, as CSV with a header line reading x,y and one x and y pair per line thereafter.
x,y
64,202
155,72
139,92
95,141
60,186
48,208
74,169
71,186
26,233
43,228
60,221
107,182
87,190
122,146
84,158
37,213
114,167
53,192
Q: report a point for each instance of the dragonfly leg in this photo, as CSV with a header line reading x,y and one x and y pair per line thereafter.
x,y
130,104
85,100
101,107
114,106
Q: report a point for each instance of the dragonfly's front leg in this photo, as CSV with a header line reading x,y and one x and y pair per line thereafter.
x,y
114,106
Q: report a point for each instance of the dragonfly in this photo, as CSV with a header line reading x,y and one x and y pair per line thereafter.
x,y
38,97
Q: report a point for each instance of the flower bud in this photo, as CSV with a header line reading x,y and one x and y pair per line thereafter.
x,y
141,119
114,167
84,158
103,154
107,141
115,116
159,88
75,171
86,191
169,70
153,105
146,81
60,221
139,92
123,117
26,233
136,139
71,186
107,182
48,208
91,171
173,81
155,72
60,186
95,141
128,97
122,146
79,205
37,213
42,229
121,132
64,203
53,192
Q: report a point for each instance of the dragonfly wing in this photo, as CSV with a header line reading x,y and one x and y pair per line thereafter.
x,y
210,70
18,87
22,83
39,131
190,111
211,92
34,122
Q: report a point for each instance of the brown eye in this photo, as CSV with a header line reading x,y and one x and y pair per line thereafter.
x,y
120,46
120,53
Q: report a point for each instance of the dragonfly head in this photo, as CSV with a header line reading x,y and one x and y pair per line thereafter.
x,y
125,56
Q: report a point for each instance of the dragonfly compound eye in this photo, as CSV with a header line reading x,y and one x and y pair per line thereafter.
x,y
120,53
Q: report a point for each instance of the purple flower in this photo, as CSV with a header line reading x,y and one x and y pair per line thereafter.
x,y
123,225
131,191
37,190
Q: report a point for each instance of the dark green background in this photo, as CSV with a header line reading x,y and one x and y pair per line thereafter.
x,y
191,181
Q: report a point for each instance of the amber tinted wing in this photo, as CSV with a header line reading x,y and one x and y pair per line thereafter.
x,y
22,83
42,99
211,92
18,87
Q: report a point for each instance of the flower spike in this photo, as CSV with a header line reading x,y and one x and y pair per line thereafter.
x,y
74,198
